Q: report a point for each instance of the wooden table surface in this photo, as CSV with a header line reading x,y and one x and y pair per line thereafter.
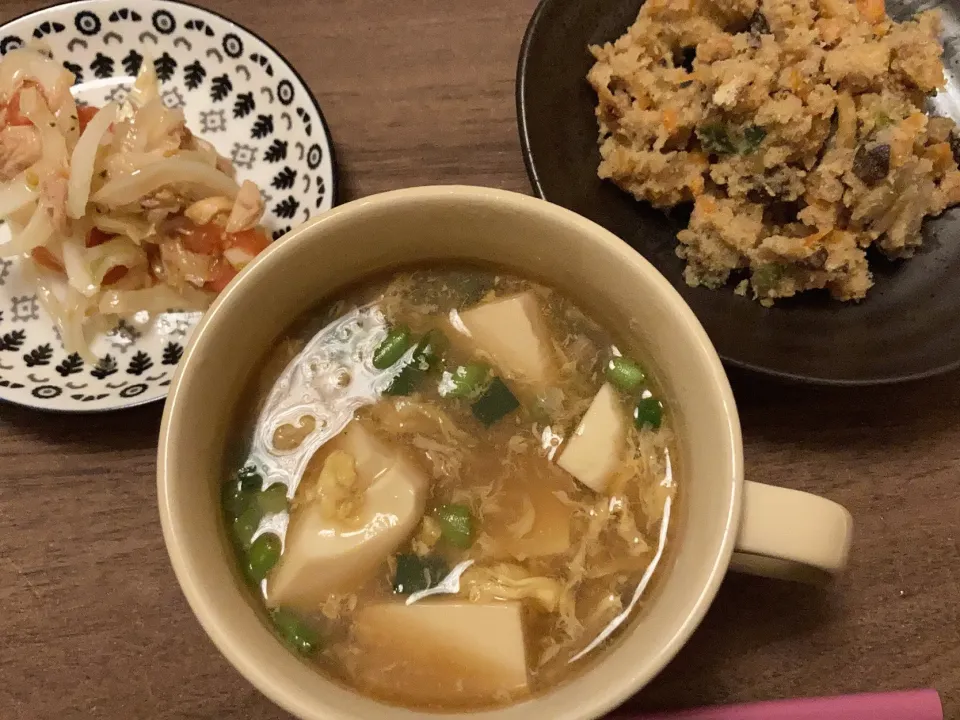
x,y
93,624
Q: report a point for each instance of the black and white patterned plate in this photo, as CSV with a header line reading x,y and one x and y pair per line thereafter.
x,y
237,93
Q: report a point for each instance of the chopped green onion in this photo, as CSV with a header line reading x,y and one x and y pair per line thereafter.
x,y
263,555
274,499
648,413
415,573
397,342
295,631
496,402
753,136
245,525
425,357
467,381
624,374
456,524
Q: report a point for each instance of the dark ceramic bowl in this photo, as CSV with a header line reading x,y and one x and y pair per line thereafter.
x,y
907,328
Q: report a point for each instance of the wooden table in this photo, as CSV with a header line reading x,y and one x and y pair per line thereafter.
x,y
93,624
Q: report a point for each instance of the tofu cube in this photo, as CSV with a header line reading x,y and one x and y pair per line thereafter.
x,y
596,448
513,333
434,652
324,555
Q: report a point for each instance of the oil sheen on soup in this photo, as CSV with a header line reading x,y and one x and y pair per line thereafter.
x,y
455,487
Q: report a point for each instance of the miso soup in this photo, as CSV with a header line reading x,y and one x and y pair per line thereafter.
x,y
455,488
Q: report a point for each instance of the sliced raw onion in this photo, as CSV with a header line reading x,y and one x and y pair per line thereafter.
x,y
15,195
171,171
84,158
36,233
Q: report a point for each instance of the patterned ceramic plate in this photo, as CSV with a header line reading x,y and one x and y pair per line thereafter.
x,y
239,94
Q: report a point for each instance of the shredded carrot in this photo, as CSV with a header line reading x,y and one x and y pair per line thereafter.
x,y
941,155
707,204
811,240
873,11
670,119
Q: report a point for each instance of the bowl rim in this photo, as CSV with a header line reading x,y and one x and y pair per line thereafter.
x,y
533,175
629,681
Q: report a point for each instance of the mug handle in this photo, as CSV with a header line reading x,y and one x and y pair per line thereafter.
x,y
791,535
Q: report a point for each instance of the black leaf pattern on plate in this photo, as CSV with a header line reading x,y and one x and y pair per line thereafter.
x,y
280,232
286,208
105,368
276,152
132,62
13,341
40,355
172,353
165,66
262,127
139,364
193,75
102,66
11,385
220,87
284,179
76,70
244,105
72,364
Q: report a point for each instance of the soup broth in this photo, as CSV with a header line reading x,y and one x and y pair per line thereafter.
x,y
456,487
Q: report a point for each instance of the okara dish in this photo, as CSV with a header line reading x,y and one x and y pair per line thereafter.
x,y
456,488
796,127
121,209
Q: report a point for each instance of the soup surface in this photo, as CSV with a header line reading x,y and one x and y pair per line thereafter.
x,y
456,487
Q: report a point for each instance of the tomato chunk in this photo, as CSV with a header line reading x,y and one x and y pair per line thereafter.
x,y
114,275
221,275
96,236
43,257
12,113
203,239
252,241
86,113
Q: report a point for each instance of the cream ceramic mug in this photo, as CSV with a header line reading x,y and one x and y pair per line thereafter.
x,y
724,521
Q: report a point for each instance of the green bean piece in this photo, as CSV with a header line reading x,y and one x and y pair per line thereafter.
x,y
263,555
245,525
274,499
415,573
648,413
295,631
389,352
466,381
456,524
625,374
